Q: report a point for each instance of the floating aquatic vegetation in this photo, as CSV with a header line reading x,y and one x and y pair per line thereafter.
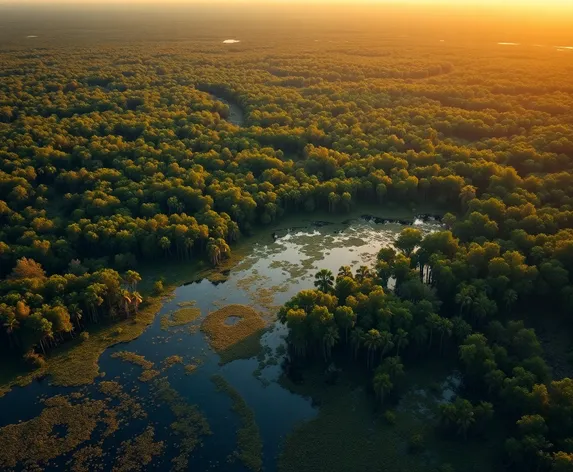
x,y
133,358
135,454
148,375
238,341
190,368
62,426
250,446
186,304
171,361
127,404
181,317
86,459
189,426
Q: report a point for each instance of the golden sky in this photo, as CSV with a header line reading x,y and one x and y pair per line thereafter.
x,y
538,3
543,7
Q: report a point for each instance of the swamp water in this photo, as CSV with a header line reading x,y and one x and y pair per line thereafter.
x,y
271,271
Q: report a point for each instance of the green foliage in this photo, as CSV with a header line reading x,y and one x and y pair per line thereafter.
x,y
416,443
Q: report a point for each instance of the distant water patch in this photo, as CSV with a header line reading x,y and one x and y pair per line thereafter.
x,y
508,44
31,36
231,41
564,48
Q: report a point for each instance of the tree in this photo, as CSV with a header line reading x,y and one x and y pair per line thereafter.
x,y
408,239
400,340
562,462
372,342
382,385
27,269
393,367
329,340
357,338
344,271
345,319
324,280
362,274
126,297
132,278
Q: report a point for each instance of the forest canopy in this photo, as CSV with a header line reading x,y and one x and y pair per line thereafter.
x,y
116,150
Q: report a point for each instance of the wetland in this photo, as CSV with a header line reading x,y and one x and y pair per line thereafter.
x,y
226,335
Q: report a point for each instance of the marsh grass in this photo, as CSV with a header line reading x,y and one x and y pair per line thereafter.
x,y
148,375
190,426
238,341
133,358
250,447
137,453
76,362
21,444
171,361
181,317
86,459
128,405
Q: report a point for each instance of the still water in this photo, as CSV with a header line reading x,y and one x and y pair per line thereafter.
x,y
272,270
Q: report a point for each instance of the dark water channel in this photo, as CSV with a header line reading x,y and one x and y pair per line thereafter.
x,y
268,275
236,114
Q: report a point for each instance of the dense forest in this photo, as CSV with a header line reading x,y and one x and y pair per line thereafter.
x,y
112,155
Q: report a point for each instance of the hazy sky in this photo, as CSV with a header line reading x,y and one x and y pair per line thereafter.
x,y
538,3
543,8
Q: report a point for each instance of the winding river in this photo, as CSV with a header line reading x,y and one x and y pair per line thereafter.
x,y
272,270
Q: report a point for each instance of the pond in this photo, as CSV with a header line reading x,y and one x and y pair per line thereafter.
x,y
272,270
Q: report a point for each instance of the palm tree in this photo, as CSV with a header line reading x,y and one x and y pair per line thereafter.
x,y
75,314
433,321
345,318
344,271
11,324
382,385
362,273
372,342
400,340
224,248
445,329
465,297
480,307
126,298
137,300
214,253
329,340
386,343
464,417
461,329
165,245
233,232
132,278
509,298
356,340
392,366
93,299
324,280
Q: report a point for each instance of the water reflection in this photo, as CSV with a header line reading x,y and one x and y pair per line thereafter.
x,y
269,274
